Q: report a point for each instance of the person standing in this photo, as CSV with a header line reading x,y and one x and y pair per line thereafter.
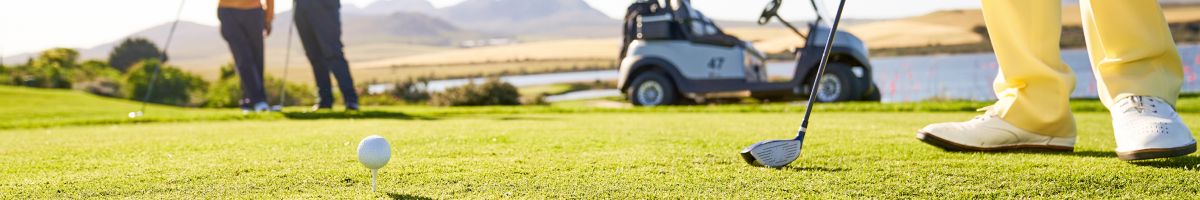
x,y
320,27
1138,71
244,24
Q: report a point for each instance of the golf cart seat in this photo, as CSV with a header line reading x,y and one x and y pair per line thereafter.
x,y
700,29
646,20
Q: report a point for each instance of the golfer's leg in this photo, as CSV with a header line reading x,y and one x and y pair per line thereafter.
x,y
254,22
235,36
1033,84
1131,49
329,35
312,49
341,71
1139,75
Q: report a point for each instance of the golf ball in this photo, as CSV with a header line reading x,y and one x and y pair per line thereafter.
x,y
374,152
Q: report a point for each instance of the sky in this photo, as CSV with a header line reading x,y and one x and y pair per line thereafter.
x,y
35,25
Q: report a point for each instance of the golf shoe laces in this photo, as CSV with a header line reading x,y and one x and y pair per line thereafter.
x,y
1139,104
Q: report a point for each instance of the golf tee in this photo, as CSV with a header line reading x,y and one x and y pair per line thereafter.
x,y
373,172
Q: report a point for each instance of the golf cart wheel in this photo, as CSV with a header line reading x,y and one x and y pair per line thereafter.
x,y
837,84
873,95
652,89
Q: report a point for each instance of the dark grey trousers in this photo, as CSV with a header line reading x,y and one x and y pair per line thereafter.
x,y
243,30
320,26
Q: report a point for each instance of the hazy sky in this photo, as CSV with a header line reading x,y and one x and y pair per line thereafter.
x,y
34,25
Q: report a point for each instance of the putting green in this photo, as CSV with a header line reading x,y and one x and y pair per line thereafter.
x,y
586,156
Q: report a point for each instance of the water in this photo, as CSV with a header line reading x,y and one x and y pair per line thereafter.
x,y
900,79
970,76
518,81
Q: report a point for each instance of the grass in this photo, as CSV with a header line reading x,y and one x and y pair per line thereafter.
x,y
586,156
555,152
42,108
37,108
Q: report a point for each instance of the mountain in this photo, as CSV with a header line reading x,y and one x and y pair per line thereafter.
x,y
564,18
382,36
404,27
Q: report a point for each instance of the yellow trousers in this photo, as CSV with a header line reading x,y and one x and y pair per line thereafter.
x,y
1131,50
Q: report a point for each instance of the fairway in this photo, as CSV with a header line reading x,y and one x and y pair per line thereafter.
x,y
584,156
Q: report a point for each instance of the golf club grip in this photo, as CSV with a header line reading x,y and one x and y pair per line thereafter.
x,y
821,68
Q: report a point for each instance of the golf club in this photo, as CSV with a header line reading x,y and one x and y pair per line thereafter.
x,y
161,61
287,58
779,153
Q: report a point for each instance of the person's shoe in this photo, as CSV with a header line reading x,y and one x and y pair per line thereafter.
x,y
988,132
352,107
1148,127
261,107
246,111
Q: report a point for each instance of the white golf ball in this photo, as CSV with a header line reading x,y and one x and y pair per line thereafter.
x,y
374,152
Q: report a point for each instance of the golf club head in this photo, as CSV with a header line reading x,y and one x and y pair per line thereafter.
x,y
772,153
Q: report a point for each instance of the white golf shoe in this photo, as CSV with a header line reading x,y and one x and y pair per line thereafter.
x,y
261,107
988,132
1148,127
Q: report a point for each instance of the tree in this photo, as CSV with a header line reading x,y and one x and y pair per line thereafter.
x,y
131,51
55,68
173,87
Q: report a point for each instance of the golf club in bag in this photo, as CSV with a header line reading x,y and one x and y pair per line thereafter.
x,y
779,153
161,61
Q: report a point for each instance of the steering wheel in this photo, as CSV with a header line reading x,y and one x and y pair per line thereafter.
x,y
771,11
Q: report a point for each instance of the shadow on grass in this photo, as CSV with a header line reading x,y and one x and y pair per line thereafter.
x,y
524,118
1096,154
1172,162
812,169
1189,161
355,115
407,196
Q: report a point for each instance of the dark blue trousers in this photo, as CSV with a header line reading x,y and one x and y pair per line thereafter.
x,y
320,26
243,30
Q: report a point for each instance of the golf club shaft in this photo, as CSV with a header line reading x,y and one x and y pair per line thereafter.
x,y
162,57
821,70
287,58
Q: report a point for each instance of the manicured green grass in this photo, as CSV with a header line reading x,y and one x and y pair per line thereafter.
x,y
586,156
41,108
37,108
543,152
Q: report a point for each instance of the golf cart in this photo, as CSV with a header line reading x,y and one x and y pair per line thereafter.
x,y
673,54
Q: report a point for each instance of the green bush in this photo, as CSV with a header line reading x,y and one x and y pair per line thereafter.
x,y
173,87
94,69
410,90
4,77
102,86
228,90
54,68
536,100
492,92
57,68
131,51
